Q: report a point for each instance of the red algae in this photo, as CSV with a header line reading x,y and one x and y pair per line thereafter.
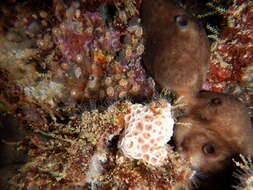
x,y
232,53
230,65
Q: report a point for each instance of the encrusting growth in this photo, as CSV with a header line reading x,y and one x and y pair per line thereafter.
x,y
148,129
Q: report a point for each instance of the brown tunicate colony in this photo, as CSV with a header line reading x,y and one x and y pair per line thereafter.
x,y
176,48
219,128
176,56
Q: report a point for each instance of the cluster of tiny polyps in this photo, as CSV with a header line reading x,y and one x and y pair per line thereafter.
x,y
103,60
80,54
147,131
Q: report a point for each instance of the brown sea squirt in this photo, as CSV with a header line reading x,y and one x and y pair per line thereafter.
x,y
176,48
219,129
176,56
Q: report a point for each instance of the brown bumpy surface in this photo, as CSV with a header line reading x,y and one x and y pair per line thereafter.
x,y
177,49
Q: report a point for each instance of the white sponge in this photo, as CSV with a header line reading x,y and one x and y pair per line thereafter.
x,y
147,130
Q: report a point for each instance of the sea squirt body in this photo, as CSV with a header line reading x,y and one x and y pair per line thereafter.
x,y
219,130
176,48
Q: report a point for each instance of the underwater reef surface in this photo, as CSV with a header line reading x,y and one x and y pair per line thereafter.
x,y
245,175
230,65
62,64
68,72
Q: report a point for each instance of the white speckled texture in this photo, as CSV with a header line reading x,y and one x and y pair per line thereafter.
x,y
148,129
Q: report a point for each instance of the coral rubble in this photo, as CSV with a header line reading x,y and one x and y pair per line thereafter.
x,y
85,153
